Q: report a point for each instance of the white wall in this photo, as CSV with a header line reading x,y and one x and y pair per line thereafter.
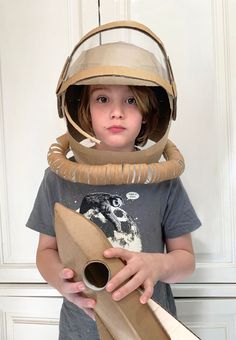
x,y
200,37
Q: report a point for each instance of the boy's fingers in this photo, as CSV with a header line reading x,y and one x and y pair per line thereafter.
x,y
117,252
86,304
122,292
147,292
74,287
66,273
90,312
125,274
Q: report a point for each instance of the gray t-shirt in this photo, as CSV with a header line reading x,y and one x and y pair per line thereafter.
x,y
138,217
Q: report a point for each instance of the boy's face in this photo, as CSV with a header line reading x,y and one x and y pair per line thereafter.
x,y
116,119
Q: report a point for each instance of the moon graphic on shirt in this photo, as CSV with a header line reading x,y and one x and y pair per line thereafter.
x,y
106,210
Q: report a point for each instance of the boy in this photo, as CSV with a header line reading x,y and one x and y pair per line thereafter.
x,y
112,97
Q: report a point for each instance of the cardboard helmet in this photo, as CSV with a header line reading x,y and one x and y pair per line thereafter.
x,y
118,53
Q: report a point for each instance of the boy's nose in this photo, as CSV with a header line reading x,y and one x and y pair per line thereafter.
x,y
117,112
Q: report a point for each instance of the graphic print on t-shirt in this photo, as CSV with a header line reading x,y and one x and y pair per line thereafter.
x,y
106,210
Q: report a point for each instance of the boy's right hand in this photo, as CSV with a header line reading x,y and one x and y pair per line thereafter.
x,y
71,291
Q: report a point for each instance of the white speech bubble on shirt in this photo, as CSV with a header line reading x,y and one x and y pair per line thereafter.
x,y
132,195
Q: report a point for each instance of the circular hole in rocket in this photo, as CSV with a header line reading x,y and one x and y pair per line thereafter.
x,y
96,275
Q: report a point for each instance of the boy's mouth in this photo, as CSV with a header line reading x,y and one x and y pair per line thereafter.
x,y
116,128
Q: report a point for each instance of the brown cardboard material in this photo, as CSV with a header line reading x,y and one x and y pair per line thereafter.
x,y
102,167
81,245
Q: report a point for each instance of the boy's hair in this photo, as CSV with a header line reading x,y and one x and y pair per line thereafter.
x,y
147,104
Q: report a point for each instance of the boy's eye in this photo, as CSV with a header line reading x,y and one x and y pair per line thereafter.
x,y
102,99
131,100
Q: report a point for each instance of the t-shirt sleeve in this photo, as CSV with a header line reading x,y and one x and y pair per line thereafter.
x,y
41,218
179,216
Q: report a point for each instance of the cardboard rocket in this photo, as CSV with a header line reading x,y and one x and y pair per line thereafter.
x,y
81,244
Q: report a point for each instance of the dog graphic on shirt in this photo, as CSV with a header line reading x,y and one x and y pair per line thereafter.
x,y
106,210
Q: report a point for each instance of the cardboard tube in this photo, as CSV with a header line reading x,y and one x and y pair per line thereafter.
x,y
95,275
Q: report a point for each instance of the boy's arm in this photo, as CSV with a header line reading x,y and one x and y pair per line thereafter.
x,y
53,271
48,262
180,259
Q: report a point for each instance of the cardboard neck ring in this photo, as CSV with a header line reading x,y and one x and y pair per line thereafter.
x,y
115,174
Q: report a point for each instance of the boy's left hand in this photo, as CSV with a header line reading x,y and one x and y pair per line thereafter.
x,y
141,270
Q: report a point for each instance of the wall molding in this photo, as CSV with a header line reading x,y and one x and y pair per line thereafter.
x,y
213,318
115,10
2,325
26,320
17,273
220,22
224,255
9,260
5,250
180,290
74,8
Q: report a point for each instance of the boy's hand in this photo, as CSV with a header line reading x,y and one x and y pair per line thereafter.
x,y
71,291
141,269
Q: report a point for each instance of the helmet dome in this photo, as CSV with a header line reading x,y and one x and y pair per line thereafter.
x,y
118,53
